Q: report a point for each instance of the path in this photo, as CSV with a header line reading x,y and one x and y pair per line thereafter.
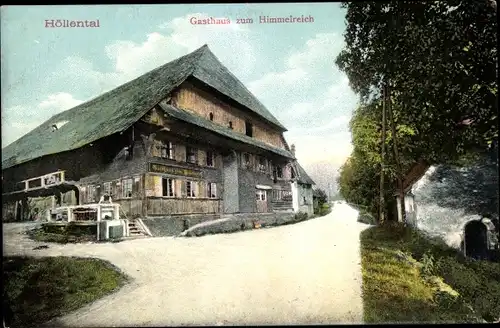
x,y
306,273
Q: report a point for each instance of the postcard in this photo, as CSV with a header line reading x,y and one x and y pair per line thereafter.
x,y
249,164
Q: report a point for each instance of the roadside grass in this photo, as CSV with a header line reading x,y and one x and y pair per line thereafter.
x,y
398,289
39,289
63,234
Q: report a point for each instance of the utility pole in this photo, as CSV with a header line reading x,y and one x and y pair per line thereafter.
x,y
401,191
382,157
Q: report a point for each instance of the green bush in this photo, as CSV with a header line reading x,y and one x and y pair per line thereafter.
x,y
322,210
301,216
367,218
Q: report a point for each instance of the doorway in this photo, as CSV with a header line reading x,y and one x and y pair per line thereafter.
x,y
476,240
261,198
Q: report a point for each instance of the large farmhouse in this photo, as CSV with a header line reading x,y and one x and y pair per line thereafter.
x,y
186,138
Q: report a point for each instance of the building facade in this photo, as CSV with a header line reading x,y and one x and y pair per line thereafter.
x,y
185,139
302,189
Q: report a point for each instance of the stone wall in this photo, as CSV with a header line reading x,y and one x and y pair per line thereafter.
x,y
173,225
240,222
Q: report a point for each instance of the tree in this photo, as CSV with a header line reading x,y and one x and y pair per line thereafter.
x,y
439,60
321,195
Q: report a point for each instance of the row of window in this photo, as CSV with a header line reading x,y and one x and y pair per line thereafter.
x,y
261,165
125,187
192,188
166,150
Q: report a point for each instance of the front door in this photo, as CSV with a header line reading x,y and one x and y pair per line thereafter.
x,y
261,196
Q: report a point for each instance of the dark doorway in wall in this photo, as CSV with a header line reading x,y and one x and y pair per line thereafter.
x,y
19,213
248,129
476,240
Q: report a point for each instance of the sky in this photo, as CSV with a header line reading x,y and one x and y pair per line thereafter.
x,y
290,67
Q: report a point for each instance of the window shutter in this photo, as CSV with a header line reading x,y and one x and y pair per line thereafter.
x,y
172,150
83,195
177,188
202,189
112,190
157,186
136,187
180,153
183,188
156,149
217,158
98,192
202,157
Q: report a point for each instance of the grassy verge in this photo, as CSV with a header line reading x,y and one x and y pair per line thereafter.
x,y
64,234
407,278
39,289
322,210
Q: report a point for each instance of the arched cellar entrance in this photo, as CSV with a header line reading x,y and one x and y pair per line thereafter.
x,y
476,240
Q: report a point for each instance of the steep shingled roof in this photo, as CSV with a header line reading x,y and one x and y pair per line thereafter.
x,y
116,110
303,177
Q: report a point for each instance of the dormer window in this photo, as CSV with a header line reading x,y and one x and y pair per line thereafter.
x,y
211,116
56,126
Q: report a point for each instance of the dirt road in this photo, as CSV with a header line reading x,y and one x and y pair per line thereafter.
x,y
306,273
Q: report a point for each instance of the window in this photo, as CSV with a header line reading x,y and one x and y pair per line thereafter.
x,y
163,150
261,195
211,116
292,173
168,187
248,129
107,188
191,189
211,190
190,155
167,151
210,159
282,195
91,193
246,160
231,125
262,164
279,172
127,188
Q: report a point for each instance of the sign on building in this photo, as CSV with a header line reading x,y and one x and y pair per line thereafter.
x,y
160,168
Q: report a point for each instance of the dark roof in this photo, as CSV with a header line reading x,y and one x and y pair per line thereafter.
x,y
224,131
116,110
303,177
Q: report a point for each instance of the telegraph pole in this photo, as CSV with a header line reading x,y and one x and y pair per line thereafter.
x,y
381,200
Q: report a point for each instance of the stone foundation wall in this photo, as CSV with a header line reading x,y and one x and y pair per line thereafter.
x,y
161,226
240,222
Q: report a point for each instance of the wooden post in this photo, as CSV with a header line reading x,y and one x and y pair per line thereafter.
x,y
381,200
401,191
98,221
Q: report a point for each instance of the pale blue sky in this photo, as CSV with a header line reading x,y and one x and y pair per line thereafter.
x,y
289,67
